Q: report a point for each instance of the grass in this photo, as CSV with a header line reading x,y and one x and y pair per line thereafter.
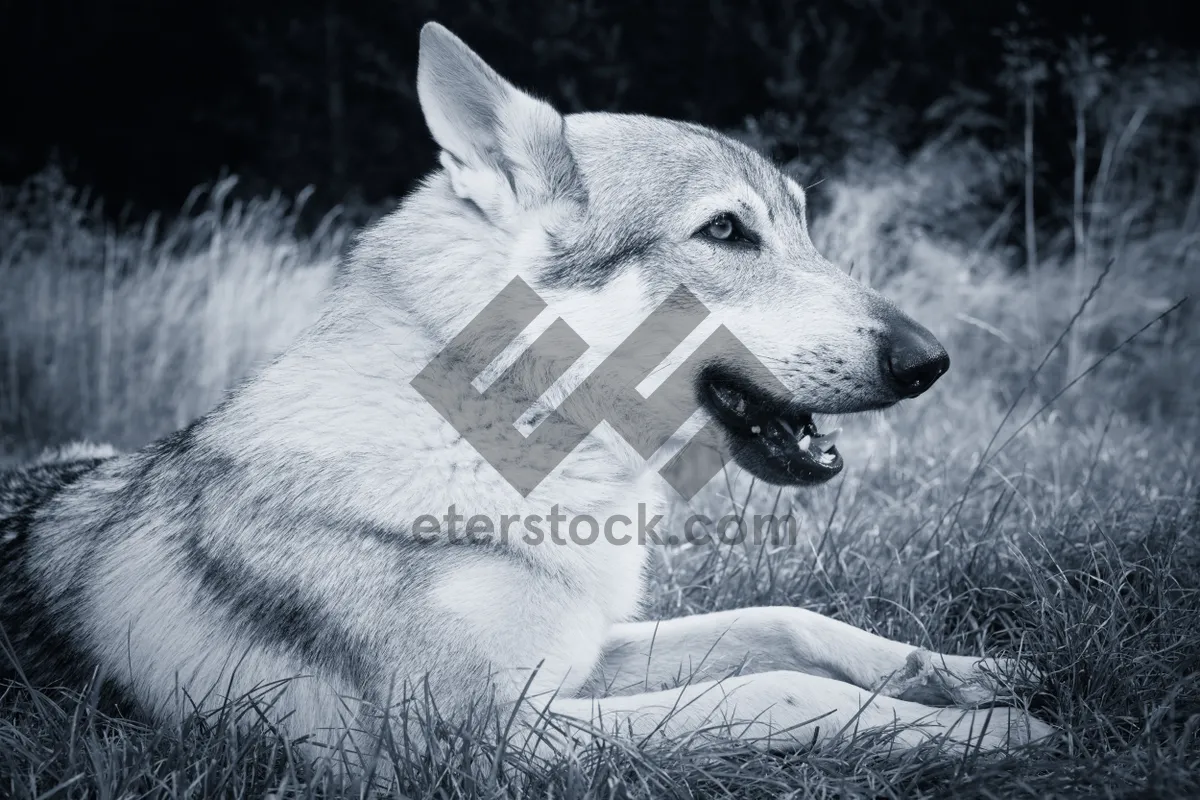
x,y
1017,508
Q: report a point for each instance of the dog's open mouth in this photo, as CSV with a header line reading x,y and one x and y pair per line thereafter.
x,y
771,438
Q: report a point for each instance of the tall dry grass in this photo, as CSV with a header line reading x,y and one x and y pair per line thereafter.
x,y
126,336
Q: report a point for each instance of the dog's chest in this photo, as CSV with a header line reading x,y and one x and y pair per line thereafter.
x,y
620,583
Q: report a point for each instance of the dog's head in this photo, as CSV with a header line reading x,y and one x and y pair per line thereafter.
x,y
588,202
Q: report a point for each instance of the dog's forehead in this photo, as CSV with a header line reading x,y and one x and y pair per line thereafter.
x,y
660,163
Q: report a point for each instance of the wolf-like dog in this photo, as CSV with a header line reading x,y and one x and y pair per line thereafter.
x,y
273,538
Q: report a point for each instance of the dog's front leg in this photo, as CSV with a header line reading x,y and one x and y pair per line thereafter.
x,y
776,710
650,655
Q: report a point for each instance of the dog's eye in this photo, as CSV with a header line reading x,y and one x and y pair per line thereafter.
x,y
722,228
726,228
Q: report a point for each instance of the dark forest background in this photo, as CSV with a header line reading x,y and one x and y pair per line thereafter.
x,y
142,101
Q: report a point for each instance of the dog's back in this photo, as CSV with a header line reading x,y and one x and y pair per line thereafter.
x,y
24,606
24,489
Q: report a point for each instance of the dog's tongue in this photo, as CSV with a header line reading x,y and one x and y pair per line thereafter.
x,y
820,444
820,447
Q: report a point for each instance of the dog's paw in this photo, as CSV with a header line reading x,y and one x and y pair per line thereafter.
x,y
995,729
936,679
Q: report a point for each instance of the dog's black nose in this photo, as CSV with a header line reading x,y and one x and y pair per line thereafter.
x,y
915,358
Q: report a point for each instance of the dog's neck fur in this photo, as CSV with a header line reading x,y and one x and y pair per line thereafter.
x,y
399,458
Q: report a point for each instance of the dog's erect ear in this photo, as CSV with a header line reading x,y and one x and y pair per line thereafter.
x,y
504,149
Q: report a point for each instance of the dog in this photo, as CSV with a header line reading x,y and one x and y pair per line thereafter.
x,y
273,541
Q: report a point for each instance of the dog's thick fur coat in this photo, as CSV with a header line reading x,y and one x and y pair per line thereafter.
x,y
272,538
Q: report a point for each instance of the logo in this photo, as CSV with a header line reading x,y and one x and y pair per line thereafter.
x,y
487,419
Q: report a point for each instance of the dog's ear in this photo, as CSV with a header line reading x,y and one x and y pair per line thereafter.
x,y
504,150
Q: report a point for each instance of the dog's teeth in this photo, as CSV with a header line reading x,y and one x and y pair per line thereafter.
x,y
741,406
787,426
755,429
826,458
805,441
